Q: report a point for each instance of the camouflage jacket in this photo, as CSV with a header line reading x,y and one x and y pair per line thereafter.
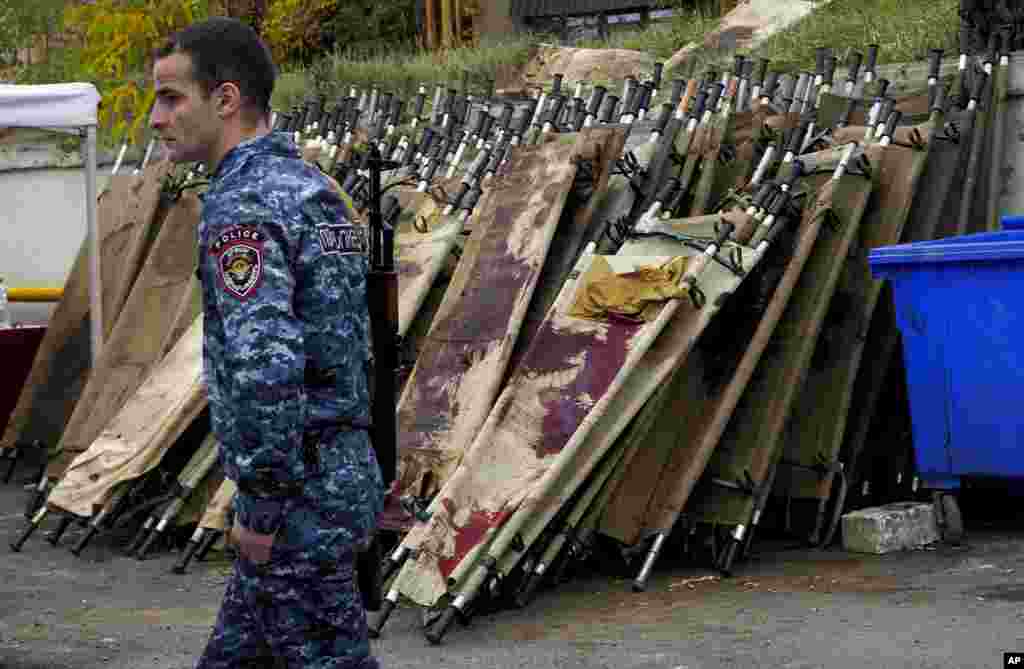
x,y
286,326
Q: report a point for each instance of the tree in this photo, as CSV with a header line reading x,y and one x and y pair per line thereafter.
x,y
24,21
372,25
294,29
8,34
115,40
298,30
252,12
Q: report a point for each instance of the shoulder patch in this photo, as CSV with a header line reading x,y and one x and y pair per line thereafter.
x,y
341,239
239,255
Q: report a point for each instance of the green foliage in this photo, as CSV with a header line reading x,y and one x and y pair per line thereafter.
x,y
372,27
21,20
294,28
399,73
117,37
298,30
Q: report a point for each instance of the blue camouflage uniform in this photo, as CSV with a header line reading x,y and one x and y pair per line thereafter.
x,y
286,349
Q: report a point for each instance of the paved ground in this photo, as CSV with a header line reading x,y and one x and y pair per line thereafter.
x,y
793,609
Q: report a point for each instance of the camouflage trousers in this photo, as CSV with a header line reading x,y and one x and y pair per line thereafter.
x,y
295,615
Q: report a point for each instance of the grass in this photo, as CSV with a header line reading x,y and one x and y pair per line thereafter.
x,y
905,30
402,73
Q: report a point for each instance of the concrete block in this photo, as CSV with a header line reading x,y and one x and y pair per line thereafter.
x,y
893,527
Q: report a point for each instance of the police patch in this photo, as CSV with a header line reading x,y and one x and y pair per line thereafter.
x,y
341,239
239,253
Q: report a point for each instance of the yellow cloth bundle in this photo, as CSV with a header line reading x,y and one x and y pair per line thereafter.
x,y
638,294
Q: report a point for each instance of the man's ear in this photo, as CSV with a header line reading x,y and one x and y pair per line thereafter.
x,y
228,99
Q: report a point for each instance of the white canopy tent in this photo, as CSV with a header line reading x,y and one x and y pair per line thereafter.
x,y
72,108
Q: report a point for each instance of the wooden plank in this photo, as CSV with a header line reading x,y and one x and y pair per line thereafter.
x,y
128,213
463,359
162,296
136,438
431,24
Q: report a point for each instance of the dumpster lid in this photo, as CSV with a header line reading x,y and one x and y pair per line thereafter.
x,y
988,246
1008,235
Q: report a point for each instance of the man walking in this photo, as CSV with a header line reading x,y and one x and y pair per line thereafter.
x,y
286,355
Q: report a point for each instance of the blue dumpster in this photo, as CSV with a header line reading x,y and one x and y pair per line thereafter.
x,y
1012,222
960,308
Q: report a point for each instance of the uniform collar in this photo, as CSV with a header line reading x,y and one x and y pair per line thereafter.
x,y
276,143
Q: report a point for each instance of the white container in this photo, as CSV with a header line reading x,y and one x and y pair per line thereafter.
x,y
42,220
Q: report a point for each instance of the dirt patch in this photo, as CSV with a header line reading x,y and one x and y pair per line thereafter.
x,y
672,598
120,617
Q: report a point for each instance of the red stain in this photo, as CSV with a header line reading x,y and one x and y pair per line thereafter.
x,y
468,535
481,318
394,518
604,358
550,353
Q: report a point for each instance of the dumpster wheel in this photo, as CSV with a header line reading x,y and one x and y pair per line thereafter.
x,y
951,523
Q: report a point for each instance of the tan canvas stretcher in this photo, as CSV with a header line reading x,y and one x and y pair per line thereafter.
x,y
462,362
128,214
164,302
135,440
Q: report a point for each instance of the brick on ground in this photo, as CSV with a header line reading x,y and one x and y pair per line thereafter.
x,y
893,527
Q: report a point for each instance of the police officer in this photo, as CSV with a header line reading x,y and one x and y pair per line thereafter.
x,y
286,349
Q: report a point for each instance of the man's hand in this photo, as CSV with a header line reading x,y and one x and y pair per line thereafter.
x,y
254,547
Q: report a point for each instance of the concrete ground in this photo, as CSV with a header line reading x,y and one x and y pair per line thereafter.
x,y
794,609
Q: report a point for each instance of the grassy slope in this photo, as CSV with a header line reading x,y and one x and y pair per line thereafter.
x,y
905,29
401,73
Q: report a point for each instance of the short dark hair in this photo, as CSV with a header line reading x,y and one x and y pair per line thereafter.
x,y
224,49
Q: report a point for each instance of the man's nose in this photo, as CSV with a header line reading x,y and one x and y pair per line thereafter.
x,y
157,119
